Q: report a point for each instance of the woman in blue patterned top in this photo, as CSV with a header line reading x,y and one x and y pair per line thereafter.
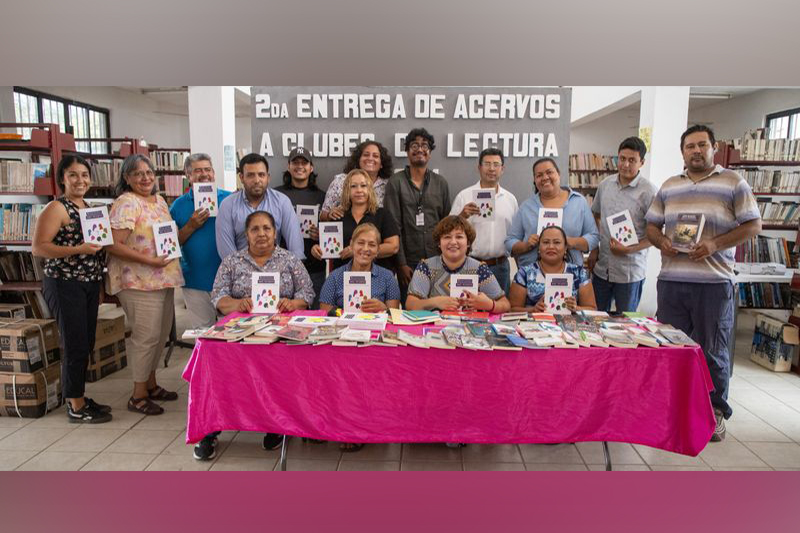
x,y
430,284
233,282
527,291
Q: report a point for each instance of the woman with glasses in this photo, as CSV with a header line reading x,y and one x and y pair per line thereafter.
x,y
143,282
577,219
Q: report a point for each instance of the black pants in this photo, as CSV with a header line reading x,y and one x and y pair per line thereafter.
x,y
74,306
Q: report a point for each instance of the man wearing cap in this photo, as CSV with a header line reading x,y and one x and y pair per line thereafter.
x,y
256,196
489,245
300,185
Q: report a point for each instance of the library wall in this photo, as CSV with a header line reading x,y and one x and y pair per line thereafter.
x,y
731,118
133,114
244,136
7,103
602,136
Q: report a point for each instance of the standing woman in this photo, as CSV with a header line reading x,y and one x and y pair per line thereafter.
x,y
73,272
522,240
144,282
373,158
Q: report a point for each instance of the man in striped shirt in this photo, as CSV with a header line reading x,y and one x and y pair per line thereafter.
x,y
695,289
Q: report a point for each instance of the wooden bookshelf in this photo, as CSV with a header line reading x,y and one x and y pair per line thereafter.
x,y
21,286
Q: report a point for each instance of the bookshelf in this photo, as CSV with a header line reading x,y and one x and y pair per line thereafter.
x,y
587,170
168,163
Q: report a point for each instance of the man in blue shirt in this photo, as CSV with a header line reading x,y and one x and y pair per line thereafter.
x,y
197,236
256,196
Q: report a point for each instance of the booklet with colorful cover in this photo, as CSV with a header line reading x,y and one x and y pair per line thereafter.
x,y
370,321
309,217
620,227
96,226
313,321
294,333
557,288
465,316
549,217
484,199
412,340
503,329
357,288
265,291
331,237
205,197
688,231
461,284
166,237
500,342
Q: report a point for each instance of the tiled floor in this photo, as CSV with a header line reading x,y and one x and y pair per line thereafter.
x,y
763,434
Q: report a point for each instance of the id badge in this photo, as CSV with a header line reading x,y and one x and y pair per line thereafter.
x,y
420,219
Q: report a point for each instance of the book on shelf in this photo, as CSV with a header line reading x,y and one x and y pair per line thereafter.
x,y
778,213
762,249
106,173
765,181
593,162
17,176
168,159
755,145
173,185
765,295
17,220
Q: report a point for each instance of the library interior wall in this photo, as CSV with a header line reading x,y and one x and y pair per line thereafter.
x,y
731,118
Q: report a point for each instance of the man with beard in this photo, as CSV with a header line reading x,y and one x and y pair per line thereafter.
x,y
695,289
417,198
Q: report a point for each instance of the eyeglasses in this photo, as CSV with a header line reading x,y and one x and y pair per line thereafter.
x,y
492,164
139,174
420,146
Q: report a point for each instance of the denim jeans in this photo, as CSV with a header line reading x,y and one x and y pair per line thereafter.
x,y
502,272
626,295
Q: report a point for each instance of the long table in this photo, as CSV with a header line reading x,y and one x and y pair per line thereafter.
x,y
373,394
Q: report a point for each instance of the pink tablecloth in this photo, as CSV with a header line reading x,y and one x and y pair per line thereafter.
x,y
656,397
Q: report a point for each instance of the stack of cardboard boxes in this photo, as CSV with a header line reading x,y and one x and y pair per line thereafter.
x,y
30,359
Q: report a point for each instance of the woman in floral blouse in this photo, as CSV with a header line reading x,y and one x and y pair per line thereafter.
x,y
144,282
232,285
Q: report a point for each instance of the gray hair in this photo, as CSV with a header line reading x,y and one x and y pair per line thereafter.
x,y
194,158
128,166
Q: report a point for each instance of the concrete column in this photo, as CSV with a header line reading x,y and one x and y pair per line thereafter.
x,y
664,113
212,129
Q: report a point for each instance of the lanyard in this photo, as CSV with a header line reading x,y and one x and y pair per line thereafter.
x,y
420,194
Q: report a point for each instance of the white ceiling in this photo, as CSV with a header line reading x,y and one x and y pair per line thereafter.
x,y
178,97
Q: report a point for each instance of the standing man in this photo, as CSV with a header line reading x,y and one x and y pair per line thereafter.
x,y
256,196
300,185
200,261
489,246
417,198
695,290
618,271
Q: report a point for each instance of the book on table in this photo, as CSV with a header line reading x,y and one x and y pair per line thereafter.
x,y
293,333
500,342
370,321
313,321
410,339
436,339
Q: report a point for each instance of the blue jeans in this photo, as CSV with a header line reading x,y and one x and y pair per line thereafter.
x,y
317,281
502,272
626,295
704,311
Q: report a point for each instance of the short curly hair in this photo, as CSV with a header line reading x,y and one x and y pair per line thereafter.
x,y
387,167
452,223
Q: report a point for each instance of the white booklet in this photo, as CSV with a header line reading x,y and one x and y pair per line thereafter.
x,y
484,199
331,236
557,288
620,227
357,288
166,236
688,230
463,283
265,291
205,197
549,217
309,216
96,225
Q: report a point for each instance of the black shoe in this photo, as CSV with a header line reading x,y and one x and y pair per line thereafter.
x,y
97,406
272,441
87,414
206,449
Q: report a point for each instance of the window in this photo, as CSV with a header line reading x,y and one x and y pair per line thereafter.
x,y
84,121
784,125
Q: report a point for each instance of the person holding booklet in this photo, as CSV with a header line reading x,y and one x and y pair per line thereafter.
x,y
530,284
371,157
300,186
568,209
490,209
197,221
430,286
618,265
696,286
143,281
73,275
232,285
384,293
361,206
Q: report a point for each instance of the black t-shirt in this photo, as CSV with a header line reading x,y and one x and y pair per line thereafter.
x,y
307,196
385,224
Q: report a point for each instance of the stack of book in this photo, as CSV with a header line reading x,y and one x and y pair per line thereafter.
x,y
763,249
16,176
17,221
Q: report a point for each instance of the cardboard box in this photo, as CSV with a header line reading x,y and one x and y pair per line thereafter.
x,y
23,345
15,311
30,395
106,359
109,329
775,343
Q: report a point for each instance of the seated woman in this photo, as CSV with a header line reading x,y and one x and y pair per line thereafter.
x,y
430,284
233,282
385,291
360,205
527,290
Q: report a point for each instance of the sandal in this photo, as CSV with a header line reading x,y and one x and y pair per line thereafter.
x,y
160,394
350,447
144,406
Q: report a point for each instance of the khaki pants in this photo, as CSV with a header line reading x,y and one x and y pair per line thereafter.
x,y
150,315
201,311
